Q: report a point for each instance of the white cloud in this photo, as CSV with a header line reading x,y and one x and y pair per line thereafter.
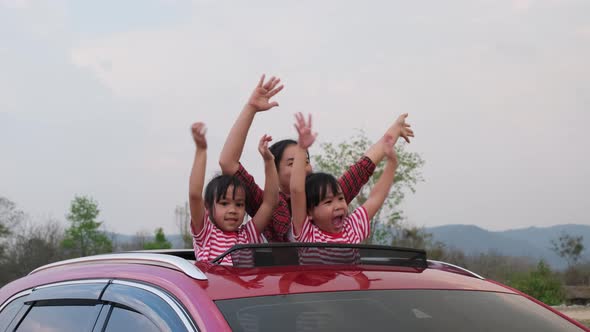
x,y
488,97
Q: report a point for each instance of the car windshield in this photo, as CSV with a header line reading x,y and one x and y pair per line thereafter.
x,y
392,310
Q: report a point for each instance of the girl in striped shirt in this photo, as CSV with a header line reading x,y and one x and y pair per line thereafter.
x,y
319,210
351,181
216,218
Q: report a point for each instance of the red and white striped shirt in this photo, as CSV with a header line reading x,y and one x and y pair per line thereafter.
x,y
212,241
351,183
355,230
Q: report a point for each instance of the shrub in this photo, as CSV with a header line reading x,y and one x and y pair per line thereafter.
x,y
541,284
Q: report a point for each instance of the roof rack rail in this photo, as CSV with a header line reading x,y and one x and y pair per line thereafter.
x,y
452,268
188,254
143,258
297,253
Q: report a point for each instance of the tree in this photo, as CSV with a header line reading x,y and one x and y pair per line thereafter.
x,y
413,237
334,158
183,218
31,246
160,241
541,284
568,247
10,217
83,237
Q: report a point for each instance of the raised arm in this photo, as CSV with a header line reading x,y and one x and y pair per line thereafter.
x,y
297,184
358,174
398,129
259,101
197,178
381,189
270,199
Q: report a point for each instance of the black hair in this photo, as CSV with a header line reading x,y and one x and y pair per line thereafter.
x,y
278,148
316,188
216,189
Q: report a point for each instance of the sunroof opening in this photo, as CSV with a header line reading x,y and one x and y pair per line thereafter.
x,y
286,254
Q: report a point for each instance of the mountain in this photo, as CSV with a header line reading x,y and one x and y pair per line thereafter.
x,y
532,242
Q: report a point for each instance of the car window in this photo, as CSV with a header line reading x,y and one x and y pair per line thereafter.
x,y
86,290
387,310
155,304
122,319
9,312
63,316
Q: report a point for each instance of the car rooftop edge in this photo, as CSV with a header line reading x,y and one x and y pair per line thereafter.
x,y
144,258
454,267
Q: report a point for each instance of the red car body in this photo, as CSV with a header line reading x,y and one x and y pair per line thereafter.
x,y
211,283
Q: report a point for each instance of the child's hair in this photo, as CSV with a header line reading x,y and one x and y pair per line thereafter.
x,y
316,188
279,147
217,187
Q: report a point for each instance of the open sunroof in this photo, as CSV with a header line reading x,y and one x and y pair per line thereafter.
x,y
282,254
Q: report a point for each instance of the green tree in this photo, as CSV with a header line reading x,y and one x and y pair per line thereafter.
x,y
10,217
160,241
335,158
83,237
541,284
413,237
32,245
568,247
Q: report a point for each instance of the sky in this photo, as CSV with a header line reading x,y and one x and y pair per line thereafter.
x,y
97,97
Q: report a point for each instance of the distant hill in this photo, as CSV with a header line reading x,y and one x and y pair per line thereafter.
x,y
532,242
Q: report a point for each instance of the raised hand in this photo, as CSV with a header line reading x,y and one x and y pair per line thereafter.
x,y
260,98
199,130
263,147
401,128
306,136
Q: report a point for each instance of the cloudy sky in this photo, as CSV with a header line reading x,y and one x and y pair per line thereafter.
x,y
96,98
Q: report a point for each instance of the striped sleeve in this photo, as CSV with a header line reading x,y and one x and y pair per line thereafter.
x,y
355,177
254,194
359,223
200,239
202,235
249,233
306,234
278,228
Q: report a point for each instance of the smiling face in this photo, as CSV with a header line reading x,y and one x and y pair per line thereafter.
x,y
229,210
330,212
285,154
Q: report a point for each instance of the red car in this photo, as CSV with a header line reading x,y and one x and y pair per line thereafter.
x,y
271,287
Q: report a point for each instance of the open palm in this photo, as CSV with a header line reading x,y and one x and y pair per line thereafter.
x,y
306,135
260,98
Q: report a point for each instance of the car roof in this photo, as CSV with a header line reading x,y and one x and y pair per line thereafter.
x,y
197,285
176,271
226,282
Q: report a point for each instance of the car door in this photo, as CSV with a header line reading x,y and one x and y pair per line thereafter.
x,y
95,305
135,306
68,306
